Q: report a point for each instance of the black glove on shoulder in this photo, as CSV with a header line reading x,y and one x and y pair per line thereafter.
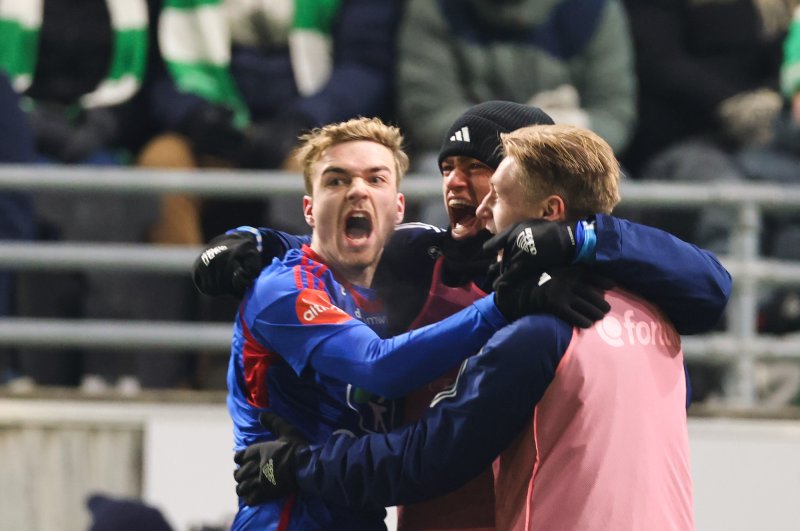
x,y
570,293
267,470
534,246
228,265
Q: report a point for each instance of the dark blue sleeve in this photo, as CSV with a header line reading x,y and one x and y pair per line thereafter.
x,y
273,243
276,243
466,427
687,283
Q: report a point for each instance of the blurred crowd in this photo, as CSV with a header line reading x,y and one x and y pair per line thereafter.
x,y
683,90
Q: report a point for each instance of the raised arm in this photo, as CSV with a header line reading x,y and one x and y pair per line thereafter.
x,y
230,262
687,283
339,346
466,427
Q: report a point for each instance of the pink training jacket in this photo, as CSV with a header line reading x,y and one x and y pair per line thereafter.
x,y
608,447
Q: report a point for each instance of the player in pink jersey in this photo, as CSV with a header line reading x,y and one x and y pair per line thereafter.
x,y
589,425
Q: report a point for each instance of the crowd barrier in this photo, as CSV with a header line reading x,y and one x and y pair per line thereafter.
x,y
739,347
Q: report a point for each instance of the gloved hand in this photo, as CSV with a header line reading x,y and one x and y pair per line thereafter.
x,y
748,118
211,132
570,293
228,265
267,470
533,247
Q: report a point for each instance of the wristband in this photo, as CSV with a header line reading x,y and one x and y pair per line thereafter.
x,y
585,241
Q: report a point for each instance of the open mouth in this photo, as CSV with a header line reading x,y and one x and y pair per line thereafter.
x,y
462,217
358,227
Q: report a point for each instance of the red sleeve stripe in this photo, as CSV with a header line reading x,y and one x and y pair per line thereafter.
x,y
307,266
286,513
256,360
298,277
305,278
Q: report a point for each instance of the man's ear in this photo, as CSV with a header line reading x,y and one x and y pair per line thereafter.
x,y
308,210
554,208
401,208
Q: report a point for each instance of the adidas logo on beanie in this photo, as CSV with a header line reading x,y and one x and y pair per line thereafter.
x,y
476,133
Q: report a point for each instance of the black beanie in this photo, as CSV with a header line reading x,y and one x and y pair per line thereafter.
x,y
476,133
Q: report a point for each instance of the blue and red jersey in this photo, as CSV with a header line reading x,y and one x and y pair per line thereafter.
x,y
308,346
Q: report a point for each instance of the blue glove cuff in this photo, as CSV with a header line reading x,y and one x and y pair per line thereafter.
x,y
585,242
252,230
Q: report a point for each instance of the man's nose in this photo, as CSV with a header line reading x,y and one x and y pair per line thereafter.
x,y
456,179
484,210
358,188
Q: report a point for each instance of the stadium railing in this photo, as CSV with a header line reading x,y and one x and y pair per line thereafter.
x,y
739,347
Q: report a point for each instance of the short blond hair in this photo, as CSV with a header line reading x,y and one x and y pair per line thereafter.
x,y
571,162
314,143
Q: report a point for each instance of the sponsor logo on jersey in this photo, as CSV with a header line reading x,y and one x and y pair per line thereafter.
x,y
632,331
313,306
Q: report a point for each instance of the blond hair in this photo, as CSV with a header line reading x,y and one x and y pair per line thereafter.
x,y
568,161
314,143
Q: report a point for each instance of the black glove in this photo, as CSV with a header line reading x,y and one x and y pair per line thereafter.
x,y
228,265
533,247
210,131
570,293
267,470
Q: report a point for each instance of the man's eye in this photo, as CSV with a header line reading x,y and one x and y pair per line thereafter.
x,y
336,181
377,179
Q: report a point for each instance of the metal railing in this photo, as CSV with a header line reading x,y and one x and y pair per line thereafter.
x,y
739,346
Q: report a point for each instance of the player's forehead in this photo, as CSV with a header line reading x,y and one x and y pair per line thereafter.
x,y
356,157
503,177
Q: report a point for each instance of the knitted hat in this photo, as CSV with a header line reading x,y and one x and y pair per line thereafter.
x,y
476,133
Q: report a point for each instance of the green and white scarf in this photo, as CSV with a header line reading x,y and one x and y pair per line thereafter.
x,y
20,25
195,37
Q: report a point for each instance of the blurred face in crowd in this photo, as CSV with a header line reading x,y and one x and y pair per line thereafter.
x,y
353,207
465,182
